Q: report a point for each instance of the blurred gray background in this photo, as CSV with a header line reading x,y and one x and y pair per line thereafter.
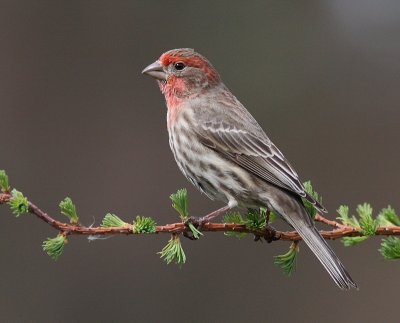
x,y
78,119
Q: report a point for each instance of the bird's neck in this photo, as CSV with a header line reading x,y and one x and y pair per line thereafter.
x,y
173,99
177,93
180,92
173,114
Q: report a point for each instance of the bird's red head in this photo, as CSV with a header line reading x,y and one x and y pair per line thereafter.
x,y
182,73
186,58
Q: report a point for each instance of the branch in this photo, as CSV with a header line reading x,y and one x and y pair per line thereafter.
x,y
340,230
351,229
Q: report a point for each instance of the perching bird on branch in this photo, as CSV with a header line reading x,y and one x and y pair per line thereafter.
x,y
224,152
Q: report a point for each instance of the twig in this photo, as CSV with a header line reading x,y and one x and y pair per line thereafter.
x,y
320,218
339,230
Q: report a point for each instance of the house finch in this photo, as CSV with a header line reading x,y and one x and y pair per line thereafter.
x,y
224,152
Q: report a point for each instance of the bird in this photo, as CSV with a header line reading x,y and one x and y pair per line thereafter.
x,y
223,151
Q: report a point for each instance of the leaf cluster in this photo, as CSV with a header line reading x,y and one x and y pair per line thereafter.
x,y
390,248
287,261
111,220
18,203
144,225
236,218
180,204
254,219
54,247
69,210
364,221
309,206
388,217
173,251
4,186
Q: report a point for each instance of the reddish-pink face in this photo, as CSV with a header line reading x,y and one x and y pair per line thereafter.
x,y
182,73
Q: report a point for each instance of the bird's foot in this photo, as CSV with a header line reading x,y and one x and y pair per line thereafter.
x,y
270,234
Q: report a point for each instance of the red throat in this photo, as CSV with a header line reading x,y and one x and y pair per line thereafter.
x,y
171,90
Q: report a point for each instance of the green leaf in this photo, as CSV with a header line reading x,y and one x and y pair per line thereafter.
x,y
54,246
256,219
351,241
388,216
111,220
233,217
18,203
4,187
390,248
309,206
287,261
196,233
236,218
144,225
344,217
273,217
180,203
367,223
173,251
68,209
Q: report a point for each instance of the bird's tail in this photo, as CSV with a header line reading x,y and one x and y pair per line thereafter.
x,y
299,219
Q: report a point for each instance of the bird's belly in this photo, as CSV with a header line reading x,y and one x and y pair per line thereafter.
x,y
215,176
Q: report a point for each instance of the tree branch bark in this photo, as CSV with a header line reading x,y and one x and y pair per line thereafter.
x,y
339,230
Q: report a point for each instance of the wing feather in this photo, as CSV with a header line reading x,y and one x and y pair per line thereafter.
x,y
256,154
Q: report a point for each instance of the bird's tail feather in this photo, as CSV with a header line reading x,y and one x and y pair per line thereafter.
x,y
306,229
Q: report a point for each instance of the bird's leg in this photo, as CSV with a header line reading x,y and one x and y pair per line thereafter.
x,y
214,214
270,234
199,222
207,218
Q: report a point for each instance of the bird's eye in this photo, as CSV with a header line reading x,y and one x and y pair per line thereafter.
x,y
179,66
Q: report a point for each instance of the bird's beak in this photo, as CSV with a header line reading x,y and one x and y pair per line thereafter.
x,y
155,70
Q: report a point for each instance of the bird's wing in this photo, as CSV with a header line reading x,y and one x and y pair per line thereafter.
x,y
255,153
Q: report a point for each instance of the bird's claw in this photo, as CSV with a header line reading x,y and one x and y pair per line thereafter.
x,y
270,234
